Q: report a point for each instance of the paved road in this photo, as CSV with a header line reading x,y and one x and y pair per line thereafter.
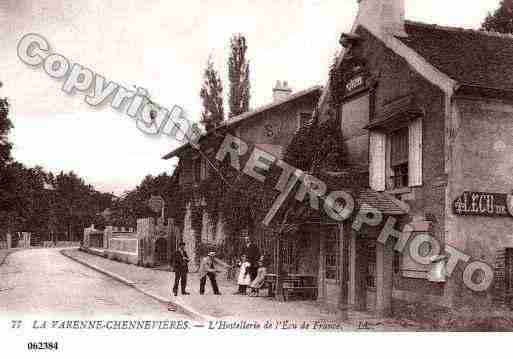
x,y
43,281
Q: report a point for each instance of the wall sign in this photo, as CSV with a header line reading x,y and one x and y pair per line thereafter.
x,y
484,204
355,84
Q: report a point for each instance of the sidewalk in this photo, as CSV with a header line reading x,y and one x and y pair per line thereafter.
x,y
227,306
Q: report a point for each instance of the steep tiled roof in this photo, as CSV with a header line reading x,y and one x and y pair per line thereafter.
x,y
470,57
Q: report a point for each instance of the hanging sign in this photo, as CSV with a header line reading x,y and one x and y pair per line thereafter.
x,y
484,204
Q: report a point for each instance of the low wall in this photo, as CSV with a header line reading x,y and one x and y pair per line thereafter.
x,y
123,247
60,244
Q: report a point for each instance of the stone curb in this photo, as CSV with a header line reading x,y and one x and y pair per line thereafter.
x,y
188,310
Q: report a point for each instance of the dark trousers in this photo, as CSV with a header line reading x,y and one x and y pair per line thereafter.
x,y
203,281
180,277
242,289
253,271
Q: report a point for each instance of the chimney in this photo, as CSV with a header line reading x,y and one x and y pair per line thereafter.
x,y
281,91
382,17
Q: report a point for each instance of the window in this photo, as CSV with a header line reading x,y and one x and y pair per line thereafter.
x,y
205,169
196,170
397,262
370,277
290,255
185,172
304,118
395,157
399,156
332,255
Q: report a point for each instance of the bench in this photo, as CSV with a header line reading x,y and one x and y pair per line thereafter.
x,y
294,286
302,292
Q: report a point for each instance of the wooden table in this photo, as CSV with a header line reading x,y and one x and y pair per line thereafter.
x,y
302,286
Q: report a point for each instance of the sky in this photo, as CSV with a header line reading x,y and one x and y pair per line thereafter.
x,y
163,46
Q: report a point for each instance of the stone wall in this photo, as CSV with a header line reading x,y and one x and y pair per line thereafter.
x,y
482,162
397,80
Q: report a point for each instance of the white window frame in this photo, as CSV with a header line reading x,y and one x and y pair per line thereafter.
x,y
310,113
379,156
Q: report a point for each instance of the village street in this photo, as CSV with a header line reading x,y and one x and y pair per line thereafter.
x,y
43,282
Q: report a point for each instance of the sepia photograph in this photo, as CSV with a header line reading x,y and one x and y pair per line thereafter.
x,y
294,170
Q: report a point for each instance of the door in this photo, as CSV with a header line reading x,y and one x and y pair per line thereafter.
x,y
161,254
332,255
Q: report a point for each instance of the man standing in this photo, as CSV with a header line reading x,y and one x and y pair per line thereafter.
x,y
253,255
180,265
208,269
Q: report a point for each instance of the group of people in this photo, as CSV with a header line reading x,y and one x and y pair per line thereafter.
x,y
251,276
207,269
251,271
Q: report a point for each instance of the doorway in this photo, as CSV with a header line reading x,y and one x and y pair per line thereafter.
x,y
161,251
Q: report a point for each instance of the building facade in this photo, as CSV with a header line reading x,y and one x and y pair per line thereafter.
x,y
425,115
269,128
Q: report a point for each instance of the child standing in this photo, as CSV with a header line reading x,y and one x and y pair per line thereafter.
x,y
244,278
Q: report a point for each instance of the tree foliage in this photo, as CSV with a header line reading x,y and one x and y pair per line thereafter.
x,y
238,73
5,127
134,204
212,97
501,20
47,205
59,206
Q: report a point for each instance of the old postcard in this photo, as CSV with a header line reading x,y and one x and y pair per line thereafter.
x,y
290,169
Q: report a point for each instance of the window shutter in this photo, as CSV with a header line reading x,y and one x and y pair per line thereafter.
x,y
377,158
415,153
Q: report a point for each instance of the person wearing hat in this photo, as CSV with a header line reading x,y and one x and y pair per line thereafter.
x,y
181,267
208,269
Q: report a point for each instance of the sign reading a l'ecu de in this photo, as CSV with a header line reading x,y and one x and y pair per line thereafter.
x,y
355,83
484,204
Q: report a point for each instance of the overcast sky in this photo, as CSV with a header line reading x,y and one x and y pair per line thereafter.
x,y
163,45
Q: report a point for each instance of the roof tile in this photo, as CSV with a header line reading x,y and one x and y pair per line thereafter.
x,y
470,57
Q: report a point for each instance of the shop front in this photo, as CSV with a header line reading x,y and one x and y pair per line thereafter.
x,y
352,270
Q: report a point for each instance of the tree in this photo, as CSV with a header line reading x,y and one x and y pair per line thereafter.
x,y
134,204
212,97
501,20
238,73
5,127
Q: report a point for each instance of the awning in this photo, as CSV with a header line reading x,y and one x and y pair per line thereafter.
x,y
366,199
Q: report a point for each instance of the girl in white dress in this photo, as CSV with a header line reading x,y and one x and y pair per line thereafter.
x,y
244,279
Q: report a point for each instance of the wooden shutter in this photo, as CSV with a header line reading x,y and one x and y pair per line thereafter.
x,y
415,153
377,158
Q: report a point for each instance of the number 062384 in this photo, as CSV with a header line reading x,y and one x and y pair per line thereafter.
x,y
42,346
